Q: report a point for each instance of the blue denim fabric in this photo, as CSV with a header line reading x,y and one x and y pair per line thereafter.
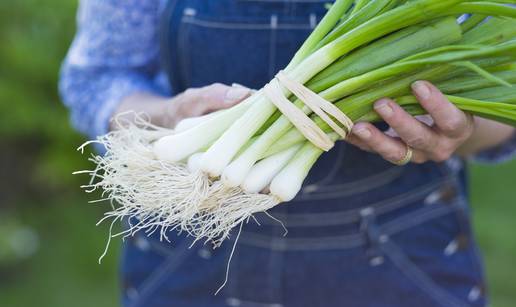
x,y
361,233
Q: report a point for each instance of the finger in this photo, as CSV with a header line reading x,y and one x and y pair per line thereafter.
x,y
413,132
219,96
448,119
426,119
354,140
389,148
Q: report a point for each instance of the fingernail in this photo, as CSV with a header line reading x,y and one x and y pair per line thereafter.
x,y
362,133
383,108
421,89
236,94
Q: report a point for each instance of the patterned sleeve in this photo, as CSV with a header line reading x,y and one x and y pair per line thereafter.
x,y
114,54
501,153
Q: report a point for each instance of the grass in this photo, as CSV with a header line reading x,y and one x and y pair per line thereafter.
x,y
493,193
65,271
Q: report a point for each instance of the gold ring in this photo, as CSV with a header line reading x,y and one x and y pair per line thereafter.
x,y
407,158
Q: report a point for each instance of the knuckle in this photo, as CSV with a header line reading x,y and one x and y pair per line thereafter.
x,y
375,141
441,155
394,155
417,141
453,124
190,92
419,160
215,86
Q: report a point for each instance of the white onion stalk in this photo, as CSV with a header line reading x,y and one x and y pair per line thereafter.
x,y
220,154
178,147
194,162
235,173
289,181
263,172
226,207
191,122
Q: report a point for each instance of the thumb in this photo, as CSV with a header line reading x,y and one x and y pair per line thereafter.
x,y
236,94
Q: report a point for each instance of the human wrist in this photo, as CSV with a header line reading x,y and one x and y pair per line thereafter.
x,y
486,134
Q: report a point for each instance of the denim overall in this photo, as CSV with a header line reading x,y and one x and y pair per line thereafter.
x,y
362,232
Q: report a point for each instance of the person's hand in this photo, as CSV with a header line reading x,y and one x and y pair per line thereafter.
x,y
200,101
438,142
167,112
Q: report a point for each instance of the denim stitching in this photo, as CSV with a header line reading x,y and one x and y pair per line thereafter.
x,y
161,271
246,303
337,191
353,215
418,277
415,218
343,241
158,248
473,254
329,176
184,46
295,244
272,45
275,275
243,26
389,173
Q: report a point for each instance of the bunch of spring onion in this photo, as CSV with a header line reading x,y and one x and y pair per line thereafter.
x,y
212,173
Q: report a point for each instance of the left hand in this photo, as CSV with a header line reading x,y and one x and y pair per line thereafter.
x,y
451,128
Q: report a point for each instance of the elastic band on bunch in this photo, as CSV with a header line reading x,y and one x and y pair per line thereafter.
x,y
323,108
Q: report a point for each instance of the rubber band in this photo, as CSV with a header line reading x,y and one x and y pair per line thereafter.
x,y
323,108
297,117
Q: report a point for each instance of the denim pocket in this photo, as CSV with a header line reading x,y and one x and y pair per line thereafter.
x,y
439,258
245,49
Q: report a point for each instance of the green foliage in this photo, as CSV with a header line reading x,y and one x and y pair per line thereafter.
x,y
494,211
37,157
35,36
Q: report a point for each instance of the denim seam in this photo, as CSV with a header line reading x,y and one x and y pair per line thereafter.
x,y
419,277
155,246
184,46
473,254
272,45
390,173
353,215
247,303
343,241
275,295
329,176
161,271
337,242
243,26
414,219
337,191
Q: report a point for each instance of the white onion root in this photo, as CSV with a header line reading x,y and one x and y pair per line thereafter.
x,y
155,195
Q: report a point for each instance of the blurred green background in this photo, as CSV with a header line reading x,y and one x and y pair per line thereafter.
x,y
49,244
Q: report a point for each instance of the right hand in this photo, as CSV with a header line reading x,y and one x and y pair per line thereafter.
x,y
167,112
